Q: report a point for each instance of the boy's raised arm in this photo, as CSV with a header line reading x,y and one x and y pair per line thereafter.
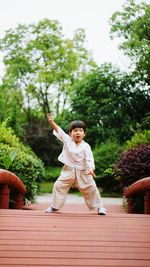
x,y
52,123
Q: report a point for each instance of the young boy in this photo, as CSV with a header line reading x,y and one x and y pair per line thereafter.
x,y
78,168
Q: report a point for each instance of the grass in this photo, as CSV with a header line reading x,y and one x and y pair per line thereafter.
x,y
52,173
45,187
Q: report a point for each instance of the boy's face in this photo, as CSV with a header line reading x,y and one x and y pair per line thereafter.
x,y
77,135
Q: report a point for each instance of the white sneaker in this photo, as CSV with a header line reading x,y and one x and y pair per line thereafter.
x,y
49,210
102,211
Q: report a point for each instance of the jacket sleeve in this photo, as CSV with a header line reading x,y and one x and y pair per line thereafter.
x,y
89,158
61,135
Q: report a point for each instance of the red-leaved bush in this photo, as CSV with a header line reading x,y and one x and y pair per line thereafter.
x,y
134,165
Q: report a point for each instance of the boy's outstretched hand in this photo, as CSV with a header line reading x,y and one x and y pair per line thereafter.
x,y
49,117
52,123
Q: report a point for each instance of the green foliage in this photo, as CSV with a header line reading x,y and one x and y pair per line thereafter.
x,y
52,173
26,165
30,170
7,135
45,187
145,123
110,103
139,138
105,155
132,24
43,65
11,108
8,159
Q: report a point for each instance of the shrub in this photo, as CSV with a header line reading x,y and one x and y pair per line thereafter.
x,y
133,165
105,155
26,165
52,173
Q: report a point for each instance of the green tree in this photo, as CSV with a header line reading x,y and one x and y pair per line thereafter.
x,y
42,65
132,26
11,109
111,104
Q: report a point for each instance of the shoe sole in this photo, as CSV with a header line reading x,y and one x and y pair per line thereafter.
x,y
101,213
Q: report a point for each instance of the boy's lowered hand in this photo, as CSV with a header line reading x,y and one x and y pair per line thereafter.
x,y
91,172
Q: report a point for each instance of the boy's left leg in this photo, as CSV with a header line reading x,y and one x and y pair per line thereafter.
x,y
91,194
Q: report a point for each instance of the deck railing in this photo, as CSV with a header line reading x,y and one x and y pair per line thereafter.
x,y
10,183
140,187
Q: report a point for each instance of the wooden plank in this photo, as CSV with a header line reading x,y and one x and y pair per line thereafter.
x,y
99,236
50,228
73,262
74,248
76,243
72,255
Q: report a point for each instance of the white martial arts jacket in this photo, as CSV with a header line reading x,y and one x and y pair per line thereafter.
x,y
75,156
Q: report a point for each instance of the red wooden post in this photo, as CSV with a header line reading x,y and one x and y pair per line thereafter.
x,y
18,201
130,205
147,203
4,196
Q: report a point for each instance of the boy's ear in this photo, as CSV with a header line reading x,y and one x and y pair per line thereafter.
x,y
84,133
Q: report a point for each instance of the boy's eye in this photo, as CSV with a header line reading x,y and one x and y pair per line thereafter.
x,y
78,129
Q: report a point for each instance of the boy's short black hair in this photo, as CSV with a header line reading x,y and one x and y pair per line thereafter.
x,y
77,124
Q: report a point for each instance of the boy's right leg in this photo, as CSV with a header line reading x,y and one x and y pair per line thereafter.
x,y
61,188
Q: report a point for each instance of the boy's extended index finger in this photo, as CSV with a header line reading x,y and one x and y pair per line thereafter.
x,y
49,115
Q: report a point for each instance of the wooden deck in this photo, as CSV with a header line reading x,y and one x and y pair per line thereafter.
x,y
73,237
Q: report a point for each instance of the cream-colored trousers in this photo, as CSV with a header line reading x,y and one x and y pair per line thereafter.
x,y
85,183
